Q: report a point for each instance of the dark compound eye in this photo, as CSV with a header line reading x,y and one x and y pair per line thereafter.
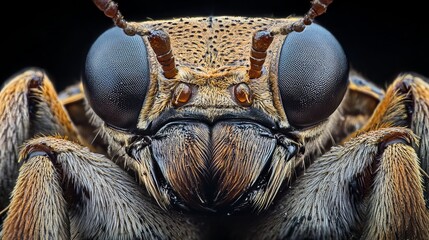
x,y
312,75
116,78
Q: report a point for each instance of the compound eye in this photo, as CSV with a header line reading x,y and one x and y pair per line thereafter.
x,y
312,75
116,78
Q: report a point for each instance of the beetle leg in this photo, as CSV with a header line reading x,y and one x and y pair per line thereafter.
x,y
407,105
370,187
396,207
65,191
28,107
419,110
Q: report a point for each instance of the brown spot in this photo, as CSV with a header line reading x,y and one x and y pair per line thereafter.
x,y
182,94
243,94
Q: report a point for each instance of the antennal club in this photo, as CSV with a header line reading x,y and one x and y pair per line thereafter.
x,y
158,39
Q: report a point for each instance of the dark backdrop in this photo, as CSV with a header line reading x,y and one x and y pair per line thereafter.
x,y
381,41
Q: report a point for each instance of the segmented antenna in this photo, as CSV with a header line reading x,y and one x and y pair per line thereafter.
x,y
160,43
260,43
262,39
158,39
318,7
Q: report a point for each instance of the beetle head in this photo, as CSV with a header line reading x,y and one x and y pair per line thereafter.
x,y
207,128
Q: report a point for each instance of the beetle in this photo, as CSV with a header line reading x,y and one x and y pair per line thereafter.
x,y
216,127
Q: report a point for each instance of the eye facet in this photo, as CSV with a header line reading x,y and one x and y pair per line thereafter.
x,y
312,75
116,78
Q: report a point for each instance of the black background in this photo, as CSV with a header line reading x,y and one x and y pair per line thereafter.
x,y
380,41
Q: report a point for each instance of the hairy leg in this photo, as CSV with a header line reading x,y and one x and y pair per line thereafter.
x,y
406,105
64,191
370,187
418,92
28,107
374,179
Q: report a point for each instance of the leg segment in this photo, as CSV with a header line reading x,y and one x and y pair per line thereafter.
x,y
407,105
370,187
419,90
396,205
64,191
28,107
38,208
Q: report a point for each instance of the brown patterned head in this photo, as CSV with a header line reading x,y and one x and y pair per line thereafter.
x,y
204,127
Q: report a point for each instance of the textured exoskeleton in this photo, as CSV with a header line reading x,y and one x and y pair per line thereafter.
x,y
214,128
